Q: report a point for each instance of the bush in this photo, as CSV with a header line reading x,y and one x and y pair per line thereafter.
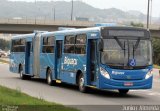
x,y
156,51
4,44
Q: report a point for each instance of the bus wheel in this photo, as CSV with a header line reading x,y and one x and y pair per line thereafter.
x,y
22,76
123,91
49,78
81,84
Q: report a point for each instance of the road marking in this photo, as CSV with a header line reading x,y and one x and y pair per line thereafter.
x,y
154,93
1,63
150,93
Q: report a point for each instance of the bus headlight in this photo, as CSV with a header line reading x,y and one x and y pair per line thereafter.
x,y
149,74
104,73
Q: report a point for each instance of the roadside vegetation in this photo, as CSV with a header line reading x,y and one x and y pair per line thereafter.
x,y
18,101
4,44
156,51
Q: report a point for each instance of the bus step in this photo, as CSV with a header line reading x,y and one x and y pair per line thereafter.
x,y
58,81
94,87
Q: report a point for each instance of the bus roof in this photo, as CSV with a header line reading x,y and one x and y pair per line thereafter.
x,y
82,30
93,29
23,36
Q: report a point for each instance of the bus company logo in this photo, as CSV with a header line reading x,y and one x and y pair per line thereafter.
x,y
69,61
117,73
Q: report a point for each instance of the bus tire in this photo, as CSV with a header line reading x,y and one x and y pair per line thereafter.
x,y
22,76
123,91
82,87
49,78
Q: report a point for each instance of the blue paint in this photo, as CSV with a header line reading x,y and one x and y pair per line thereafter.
x,y
65,68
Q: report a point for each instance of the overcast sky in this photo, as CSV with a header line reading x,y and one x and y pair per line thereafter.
x,y
140,5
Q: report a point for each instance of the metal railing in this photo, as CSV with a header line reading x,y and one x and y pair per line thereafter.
x,y
46,22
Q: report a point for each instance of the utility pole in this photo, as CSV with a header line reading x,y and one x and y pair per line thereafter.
x,y
148,14
53,10
72,11
151,13
54,14
36,9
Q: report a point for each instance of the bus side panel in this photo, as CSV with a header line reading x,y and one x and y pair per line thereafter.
x,y
46,61
15,60
68,70
71,63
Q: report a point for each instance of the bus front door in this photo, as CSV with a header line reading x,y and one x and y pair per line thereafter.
x,y
27,58
58,58
93,62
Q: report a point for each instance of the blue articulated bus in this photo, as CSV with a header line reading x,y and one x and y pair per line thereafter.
x,y
100,57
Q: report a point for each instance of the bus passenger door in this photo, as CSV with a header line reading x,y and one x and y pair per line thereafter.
x,y
58,58
27,57
92,62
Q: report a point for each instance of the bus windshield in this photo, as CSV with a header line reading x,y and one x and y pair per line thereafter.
x,y
121,52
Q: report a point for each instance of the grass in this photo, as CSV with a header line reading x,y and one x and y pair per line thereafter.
x,y
13,99
157,66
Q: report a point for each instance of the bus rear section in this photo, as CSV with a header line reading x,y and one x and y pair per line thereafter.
x,y
21,55
125,59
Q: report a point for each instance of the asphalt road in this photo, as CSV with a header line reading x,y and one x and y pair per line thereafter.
x,y
69,95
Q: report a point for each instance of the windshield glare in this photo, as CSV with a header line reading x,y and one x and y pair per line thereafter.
x,y
118,52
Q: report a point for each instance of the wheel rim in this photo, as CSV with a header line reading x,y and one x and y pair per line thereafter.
x,y
81,84
49,79
21,74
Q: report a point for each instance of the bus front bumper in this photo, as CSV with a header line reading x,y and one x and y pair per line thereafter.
x,y
128,84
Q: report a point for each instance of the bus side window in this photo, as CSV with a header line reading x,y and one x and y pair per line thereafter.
x,y
59,48
80,46
18,45
69,44
48,45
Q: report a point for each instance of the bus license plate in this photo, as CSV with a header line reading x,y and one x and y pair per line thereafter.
x,y
128,84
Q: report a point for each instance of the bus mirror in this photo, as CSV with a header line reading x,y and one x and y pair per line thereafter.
x,y
100,45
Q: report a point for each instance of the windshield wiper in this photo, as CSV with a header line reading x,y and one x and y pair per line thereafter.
x,y
119,43
135,47
137,44
123,47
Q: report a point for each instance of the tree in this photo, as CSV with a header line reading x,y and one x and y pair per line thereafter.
x,y
4,44
136,24
156,51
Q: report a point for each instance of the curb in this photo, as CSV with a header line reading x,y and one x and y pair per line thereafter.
x,y
4,61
